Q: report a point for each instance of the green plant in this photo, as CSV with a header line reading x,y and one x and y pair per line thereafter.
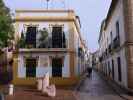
x,y
43,39
6,27
22,42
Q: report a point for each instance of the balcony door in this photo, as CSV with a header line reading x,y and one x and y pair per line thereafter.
x,y
57,37
31,36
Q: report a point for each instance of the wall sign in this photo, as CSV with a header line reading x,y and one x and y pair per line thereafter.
x,y
44,61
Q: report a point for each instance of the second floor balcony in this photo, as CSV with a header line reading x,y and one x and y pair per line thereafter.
x,y
116,42
110,48
81,53
42,39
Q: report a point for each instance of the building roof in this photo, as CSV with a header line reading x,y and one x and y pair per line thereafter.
x,y
101,29
110,12
43,10
105,22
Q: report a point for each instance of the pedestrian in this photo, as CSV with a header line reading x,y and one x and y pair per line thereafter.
x,y
89,70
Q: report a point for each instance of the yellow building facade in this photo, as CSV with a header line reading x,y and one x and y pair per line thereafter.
x,y
60,53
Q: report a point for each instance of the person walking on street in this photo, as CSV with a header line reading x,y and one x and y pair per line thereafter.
x,y
89,70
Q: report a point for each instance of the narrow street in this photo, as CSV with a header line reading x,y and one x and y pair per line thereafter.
x,y
96,88
66,50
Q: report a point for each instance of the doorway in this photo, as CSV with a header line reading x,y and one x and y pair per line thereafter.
x,y
57,67
31,64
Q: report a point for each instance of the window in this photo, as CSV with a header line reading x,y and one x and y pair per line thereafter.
x,y
113,68
107,41
111,36
119,68
58,37
109,70
106,68
31,36
57,64
117,29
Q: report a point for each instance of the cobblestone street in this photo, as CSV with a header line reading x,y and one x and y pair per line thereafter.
x,y
96,88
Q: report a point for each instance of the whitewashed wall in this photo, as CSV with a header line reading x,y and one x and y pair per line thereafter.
x,y
21,26
21,67
40,69
116,16
66,30
66,67
42,14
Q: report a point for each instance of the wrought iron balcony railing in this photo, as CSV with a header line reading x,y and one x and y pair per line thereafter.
x,y
116,42
110,47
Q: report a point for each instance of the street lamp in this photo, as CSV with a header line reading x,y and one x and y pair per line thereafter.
x,y
47,3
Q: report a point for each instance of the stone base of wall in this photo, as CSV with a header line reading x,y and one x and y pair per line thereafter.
x,y
130,65
57,81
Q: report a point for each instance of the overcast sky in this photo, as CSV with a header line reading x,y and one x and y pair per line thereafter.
x,y
91,13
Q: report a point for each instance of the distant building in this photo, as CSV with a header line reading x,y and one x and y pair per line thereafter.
x,y
95,60
90,59
116,43
61,53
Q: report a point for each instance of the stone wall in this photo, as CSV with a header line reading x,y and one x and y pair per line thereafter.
x,y
128,19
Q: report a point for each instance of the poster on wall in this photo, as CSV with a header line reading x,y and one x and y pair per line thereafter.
x,y
44,61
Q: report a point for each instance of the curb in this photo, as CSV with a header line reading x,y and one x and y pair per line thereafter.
x,y
116,88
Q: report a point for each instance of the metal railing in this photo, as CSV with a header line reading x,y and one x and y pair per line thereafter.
x,y
116,42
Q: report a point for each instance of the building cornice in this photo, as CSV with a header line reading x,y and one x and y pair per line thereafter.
x,y
105,22
44,50
101,30
110,12
44,18
43,10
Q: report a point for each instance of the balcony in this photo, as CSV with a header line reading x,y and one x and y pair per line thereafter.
x,y
41,39
106,52
48,43
52,43
104,55
80,53
110,48
116,42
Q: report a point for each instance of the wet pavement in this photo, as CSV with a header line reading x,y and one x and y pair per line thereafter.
x,y
96,88
91,88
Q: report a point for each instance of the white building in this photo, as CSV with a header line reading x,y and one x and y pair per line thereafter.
x,y
116,45
61,55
